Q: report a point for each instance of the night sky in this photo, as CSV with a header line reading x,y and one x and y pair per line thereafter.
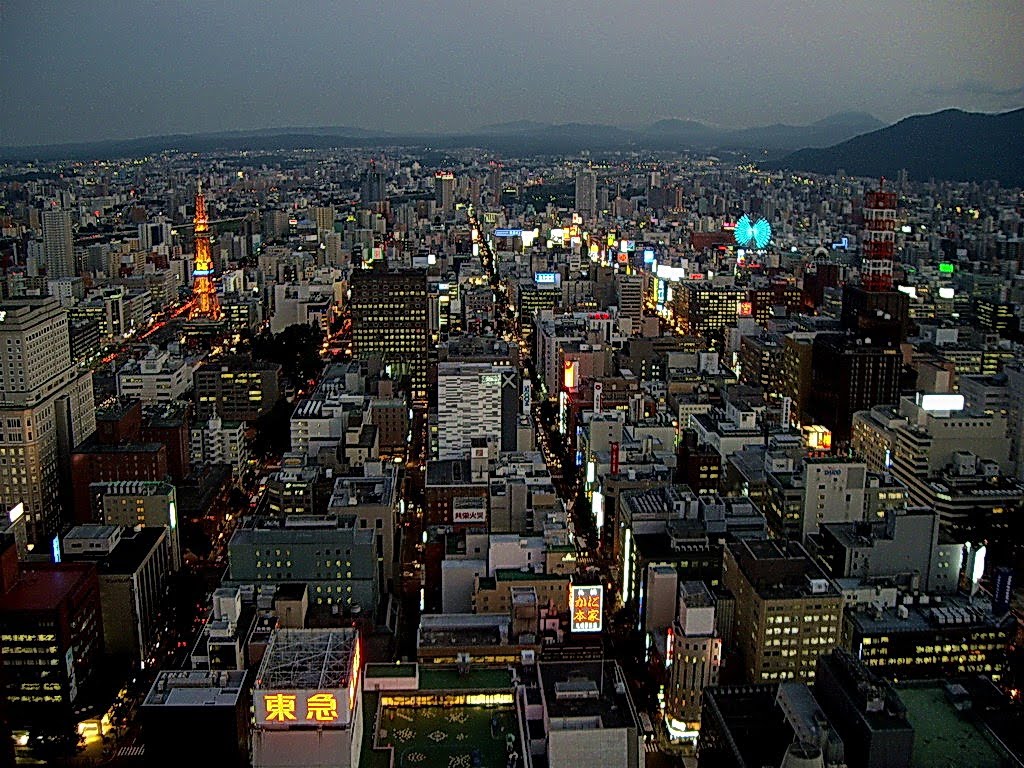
x,y
81,70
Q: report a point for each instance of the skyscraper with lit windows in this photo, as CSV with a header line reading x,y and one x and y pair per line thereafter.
x,y
389,323
46,409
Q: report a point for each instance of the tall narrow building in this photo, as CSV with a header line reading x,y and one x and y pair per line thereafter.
x,y
58,244
494,183
46,410
206,305
586,192
374,185
444,191
874,309
389,323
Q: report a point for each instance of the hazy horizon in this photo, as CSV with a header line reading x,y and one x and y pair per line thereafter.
x,y
113,70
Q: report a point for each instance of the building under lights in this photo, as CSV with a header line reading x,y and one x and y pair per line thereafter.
x,y
931,637
788,612
306,700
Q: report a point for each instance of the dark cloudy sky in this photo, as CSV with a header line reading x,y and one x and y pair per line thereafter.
x,y
76,70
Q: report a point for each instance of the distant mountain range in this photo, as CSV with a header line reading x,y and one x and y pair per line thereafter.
x,y
518,137
950,145
947,145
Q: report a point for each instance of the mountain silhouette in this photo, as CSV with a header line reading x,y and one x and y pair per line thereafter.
x,y
951,145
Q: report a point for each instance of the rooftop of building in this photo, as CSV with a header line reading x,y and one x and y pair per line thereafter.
x,y
128,556
116,408
696,594
942,735
450,472
44,586
462,630
758,739
297,527
92,446
196,688
874,697
717,423
132,488
593,690
480,678
321,405
929,615
518,574
165,415
865,533
235,363
355,491
452,733
781,570
309,659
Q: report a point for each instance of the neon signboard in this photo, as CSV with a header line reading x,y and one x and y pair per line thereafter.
x,y
587,608
287,707
508,232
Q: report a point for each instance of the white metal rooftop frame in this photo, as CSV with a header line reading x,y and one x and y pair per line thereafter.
x,y
308,659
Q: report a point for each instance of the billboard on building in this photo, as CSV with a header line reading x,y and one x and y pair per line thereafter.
x,y
470,515
570,374
302,707
587,605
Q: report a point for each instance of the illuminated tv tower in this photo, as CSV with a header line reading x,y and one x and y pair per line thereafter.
x,y
205,304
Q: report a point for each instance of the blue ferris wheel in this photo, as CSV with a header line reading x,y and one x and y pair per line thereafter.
x,y
752,233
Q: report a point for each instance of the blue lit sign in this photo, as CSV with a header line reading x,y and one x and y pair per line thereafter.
x,y
56,549
545,278
648,255
508,232
579,458
757,233
843,244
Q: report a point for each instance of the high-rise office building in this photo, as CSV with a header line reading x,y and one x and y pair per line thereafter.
x,y
389,322
475,400
58,245
847,376
494,183
444,191
374,185
630,294
46,409
586,192
323,217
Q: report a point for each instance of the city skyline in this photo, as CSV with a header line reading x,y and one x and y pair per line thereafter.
x,y
131,72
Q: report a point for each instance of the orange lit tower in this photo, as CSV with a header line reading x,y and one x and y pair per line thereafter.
x,y
205,305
